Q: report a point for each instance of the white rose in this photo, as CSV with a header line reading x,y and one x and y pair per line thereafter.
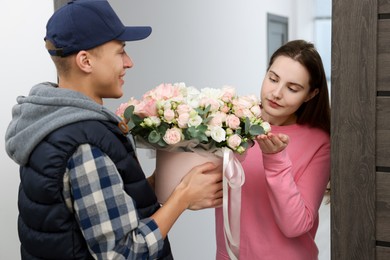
x,y
218,134
256,111
266,126
192,92
213,93
152,121
155,120
195,121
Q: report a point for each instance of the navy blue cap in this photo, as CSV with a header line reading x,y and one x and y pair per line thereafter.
x,y
85,24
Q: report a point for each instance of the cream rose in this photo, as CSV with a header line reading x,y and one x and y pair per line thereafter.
x,y
234,141
169,115
173,136
232,121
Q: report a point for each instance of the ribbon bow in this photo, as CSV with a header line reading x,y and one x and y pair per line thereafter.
x,y
233,179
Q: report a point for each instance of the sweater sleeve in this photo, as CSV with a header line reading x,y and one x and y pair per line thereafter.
x,y
296,193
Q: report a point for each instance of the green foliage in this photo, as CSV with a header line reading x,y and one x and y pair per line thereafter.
x,y
255,130
154,137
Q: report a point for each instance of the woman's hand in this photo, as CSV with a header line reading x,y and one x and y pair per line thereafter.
x,y
271,143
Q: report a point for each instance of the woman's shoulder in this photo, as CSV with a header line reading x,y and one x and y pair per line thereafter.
x,y
299,128
315,131
303,132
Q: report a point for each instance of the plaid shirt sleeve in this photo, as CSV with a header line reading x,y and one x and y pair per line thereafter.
x,y
93,189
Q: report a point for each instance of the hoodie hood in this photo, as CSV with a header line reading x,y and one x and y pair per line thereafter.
x,y
44,110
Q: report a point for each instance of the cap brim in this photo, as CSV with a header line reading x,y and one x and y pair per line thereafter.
x,y
135,33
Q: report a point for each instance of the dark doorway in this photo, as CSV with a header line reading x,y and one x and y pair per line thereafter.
x,y
277,28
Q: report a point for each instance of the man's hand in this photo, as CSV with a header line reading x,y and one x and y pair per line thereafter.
x,y
202,187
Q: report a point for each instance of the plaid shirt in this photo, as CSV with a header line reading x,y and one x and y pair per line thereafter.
x,y
93,190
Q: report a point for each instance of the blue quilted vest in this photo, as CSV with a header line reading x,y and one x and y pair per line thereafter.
x,y
47,229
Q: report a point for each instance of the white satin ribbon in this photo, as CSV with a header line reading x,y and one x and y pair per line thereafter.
x,y
233,179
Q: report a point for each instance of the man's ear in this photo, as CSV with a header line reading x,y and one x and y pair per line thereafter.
x,y
83,61
312,94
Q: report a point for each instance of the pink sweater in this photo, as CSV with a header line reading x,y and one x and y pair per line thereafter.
x,y
281,197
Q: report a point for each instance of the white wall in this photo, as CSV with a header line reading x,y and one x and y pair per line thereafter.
x,y
23,62
203,43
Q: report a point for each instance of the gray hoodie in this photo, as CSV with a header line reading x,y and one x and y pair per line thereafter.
x,y
44,110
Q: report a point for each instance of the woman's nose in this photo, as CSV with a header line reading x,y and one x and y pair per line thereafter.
x,y
277,92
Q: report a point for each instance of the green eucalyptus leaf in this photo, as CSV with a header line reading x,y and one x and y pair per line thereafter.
x,y
163,128
136,119
203,112
247,125
206,120
207,109
202,128
256,130
129,111
154,137
245,145
130,124
191,131
187,134
202,137
162,143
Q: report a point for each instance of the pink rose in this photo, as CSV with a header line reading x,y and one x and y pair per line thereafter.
x,y
225,109
242,103
169,115
173,136
247,113
217,119
228,93
183,119
146,108
133,102
242,112
254,99
214,104
239,112
232,121
234,141
183,109
163,92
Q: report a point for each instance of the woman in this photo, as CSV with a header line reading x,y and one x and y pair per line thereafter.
x,y
287,171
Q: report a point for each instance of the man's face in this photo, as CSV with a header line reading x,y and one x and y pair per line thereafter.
x,y
109,63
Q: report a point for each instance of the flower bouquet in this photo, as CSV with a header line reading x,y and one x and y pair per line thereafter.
x,y
209,124
173,116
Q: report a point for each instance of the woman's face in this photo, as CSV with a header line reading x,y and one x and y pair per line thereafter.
x,y
285,88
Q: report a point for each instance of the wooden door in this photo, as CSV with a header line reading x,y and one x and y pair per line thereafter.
x,y
360,182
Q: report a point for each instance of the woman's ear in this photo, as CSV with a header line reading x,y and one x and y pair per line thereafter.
x,y
83,62
312,94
